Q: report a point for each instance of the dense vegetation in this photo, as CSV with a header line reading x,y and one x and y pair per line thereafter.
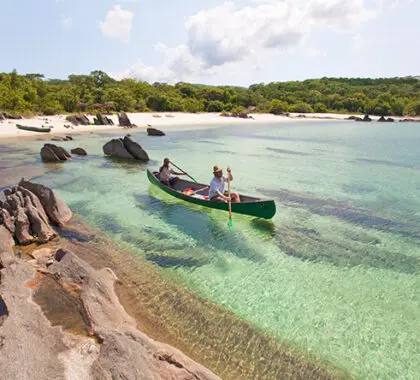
x,y
31,93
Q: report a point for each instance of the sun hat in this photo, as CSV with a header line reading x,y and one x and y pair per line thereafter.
x,y
217,168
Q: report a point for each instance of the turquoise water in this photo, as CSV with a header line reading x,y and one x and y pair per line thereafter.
x,y
335,272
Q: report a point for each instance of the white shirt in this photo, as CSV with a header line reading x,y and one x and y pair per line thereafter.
x,y
217,185
165,174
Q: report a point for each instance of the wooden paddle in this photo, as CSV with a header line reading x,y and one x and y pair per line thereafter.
x,y
230,223
183,171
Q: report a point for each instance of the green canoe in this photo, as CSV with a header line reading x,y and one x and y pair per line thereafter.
x,y
248,206
32,129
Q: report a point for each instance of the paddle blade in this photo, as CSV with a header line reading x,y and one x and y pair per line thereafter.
x,y
230,224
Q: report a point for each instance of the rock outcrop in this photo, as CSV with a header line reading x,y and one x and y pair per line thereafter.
x,y
126,353
154,132
116,148
78,119
135,149
79,152
29,210
47,155
23,227
12,116
408,120
123,120
54,153
55,208
102,120
61,138
125,148
112,346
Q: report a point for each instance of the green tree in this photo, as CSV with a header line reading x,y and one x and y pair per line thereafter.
x,y
413,108
302,108
214,106
277,107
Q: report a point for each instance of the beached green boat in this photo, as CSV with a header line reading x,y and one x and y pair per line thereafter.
x,y
32,129
248,206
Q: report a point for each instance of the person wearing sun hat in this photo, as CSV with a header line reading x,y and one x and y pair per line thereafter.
x,y
217,186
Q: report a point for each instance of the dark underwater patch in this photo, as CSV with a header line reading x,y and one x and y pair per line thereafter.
x,y
310,246
285,151
165,261
344,211
354,189
386,163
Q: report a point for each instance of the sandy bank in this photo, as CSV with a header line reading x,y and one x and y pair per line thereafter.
x,y
170,121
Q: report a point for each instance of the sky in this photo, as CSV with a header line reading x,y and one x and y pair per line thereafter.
x,y
237,42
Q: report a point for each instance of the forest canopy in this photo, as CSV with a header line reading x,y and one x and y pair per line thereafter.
x,y
33,93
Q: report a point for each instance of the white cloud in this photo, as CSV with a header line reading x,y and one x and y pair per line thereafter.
x,y
66,22
117,24
314,52
249,32
358,43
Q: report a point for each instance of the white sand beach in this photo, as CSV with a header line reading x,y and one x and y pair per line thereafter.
x,y
173,120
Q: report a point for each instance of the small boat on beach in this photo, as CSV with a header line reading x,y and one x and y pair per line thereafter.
x,y
32,129
198,194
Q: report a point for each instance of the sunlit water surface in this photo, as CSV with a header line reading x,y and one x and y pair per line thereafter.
x,y
335,272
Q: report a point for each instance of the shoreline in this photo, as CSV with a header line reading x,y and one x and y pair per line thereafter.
x,y
176,121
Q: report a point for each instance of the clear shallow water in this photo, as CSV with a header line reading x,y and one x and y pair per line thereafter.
x,y
335,272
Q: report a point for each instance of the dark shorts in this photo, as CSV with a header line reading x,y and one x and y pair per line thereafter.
x,y
172,180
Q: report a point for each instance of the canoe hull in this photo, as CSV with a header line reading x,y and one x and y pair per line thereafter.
x,y
260,208
32,129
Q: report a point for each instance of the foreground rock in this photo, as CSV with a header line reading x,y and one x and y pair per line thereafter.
x,y
123,120
154,132
79,152
125,148
29,210
33,347
125,353
55,208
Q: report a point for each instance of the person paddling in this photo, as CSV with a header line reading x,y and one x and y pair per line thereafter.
x,y
165,174
217,186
